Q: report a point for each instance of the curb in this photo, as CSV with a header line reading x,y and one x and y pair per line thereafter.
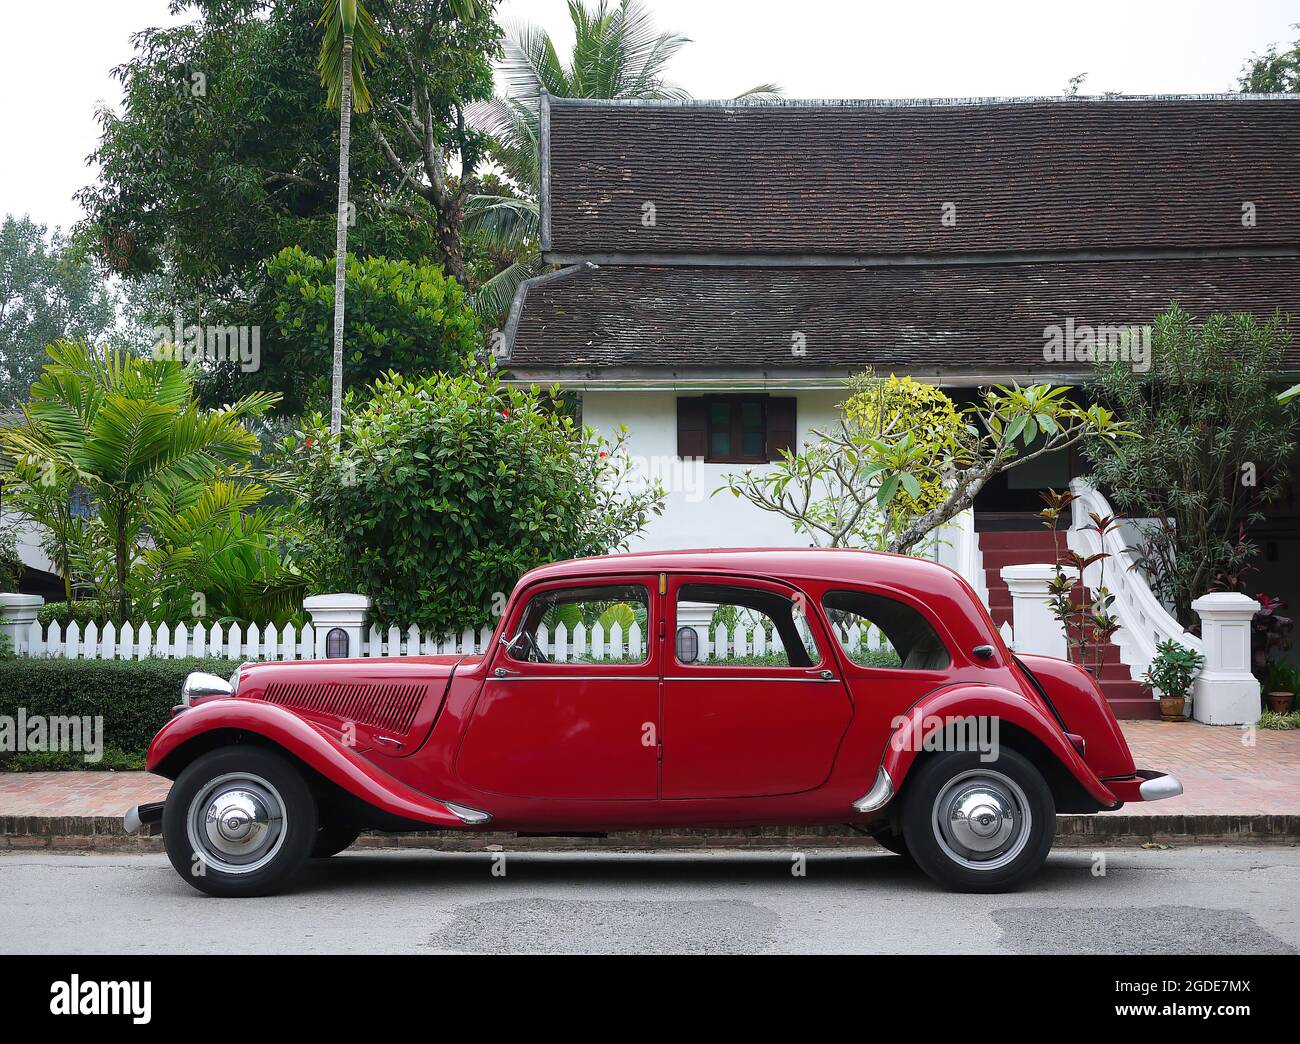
x,y
105,833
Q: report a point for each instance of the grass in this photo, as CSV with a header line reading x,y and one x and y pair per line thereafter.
x,y
1271,720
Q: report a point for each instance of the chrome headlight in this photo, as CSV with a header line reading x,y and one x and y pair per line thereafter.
x,y
199,685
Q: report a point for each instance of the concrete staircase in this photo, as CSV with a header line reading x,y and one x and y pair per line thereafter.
x,y
1126,697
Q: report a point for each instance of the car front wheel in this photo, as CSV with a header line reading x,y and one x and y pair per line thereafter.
x,y
978,826
239,821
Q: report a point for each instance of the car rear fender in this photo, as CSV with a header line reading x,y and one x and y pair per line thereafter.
x,y
941,710
339,764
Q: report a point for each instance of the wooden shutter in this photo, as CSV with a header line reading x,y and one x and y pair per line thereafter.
x,y
782,416
692,427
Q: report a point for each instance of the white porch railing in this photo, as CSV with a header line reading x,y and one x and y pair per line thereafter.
x,y
1144,621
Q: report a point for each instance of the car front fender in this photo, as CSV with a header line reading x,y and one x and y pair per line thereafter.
x,y
943,708
339,764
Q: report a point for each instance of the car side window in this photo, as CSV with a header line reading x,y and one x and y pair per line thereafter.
x,y
719,625
875,631
590,624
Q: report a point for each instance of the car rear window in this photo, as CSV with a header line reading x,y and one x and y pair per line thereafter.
x,y
876,631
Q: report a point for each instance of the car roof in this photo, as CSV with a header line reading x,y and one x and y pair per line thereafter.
x,y
793,562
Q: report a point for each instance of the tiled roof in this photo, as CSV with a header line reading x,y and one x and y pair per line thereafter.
x,y
869,179
924,320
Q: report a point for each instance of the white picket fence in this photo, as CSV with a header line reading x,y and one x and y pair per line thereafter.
x,y
255,642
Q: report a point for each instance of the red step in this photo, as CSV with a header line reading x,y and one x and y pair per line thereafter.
x,y
1127,698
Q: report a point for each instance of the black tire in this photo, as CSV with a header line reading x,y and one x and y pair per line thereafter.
x,y
269,833
1012,798
892,842
331,839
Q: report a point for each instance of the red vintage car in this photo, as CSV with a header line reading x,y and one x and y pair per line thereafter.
x,y
866,688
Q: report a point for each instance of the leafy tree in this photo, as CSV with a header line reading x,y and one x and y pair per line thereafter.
x,y
871,480
442,490
1273,73
1214,448
223,152
128,432
402,315
48,291
617,53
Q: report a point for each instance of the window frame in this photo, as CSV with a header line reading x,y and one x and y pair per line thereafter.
x,y
514,625
936,625
736,429
823,660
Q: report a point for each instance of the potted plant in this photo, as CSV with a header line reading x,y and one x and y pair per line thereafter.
x,y
1283,680
1170,675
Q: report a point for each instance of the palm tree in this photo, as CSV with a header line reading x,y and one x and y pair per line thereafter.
x,y
351,43
617,53
129,432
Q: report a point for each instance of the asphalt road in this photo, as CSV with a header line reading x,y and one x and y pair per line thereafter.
x,y
1181,900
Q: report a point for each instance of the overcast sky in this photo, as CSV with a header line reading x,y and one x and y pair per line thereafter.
x,y
55,56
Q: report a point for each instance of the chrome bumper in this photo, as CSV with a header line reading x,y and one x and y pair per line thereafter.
x,y
140,816
1160,787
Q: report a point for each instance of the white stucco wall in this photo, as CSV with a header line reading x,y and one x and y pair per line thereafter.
x,y
29,541
692,517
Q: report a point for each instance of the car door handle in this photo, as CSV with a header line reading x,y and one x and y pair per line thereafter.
x,y
502,672
824,675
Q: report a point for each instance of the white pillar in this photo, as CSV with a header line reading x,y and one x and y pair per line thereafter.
x,y
1225,692
696,616
1037,631
348,611
17,614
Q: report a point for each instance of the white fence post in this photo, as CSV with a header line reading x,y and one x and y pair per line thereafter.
x,y
348,612
1036,630
1225,692
17,614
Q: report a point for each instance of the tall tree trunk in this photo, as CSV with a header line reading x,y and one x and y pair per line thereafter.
x,y
341,236
123,608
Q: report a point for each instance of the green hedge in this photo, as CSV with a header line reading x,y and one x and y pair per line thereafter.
x,y
135,698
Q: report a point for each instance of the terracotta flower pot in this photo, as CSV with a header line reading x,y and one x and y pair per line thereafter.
x,y
1171,708
1280,702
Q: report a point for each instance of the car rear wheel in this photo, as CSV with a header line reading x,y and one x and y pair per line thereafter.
x,y
976,826
239,821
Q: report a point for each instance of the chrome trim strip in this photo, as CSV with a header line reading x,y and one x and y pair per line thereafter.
x,y
739,678
878,796
1160,787
577,677
468,815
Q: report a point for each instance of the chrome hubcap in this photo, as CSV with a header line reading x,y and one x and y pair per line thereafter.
x,y
981,819
236,823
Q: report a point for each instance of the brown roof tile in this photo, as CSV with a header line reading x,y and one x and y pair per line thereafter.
x,y
925,320
870,179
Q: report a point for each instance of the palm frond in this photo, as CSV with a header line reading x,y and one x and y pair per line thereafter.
x,y
367,43
492,300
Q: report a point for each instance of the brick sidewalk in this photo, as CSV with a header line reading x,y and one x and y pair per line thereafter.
x,y
1230,788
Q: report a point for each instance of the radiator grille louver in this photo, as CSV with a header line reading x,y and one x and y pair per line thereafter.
x,y
390,707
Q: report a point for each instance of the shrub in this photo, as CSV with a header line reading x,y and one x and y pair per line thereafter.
x,y
443,490
82,612
1214,448
401,315
135,698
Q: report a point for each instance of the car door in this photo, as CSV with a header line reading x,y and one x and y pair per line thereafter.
x,y
757,716
563,713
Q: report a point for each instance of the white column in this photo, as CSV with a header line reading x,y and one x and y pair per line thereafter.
x,y
17,614
1225,692
1037,631
348,611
